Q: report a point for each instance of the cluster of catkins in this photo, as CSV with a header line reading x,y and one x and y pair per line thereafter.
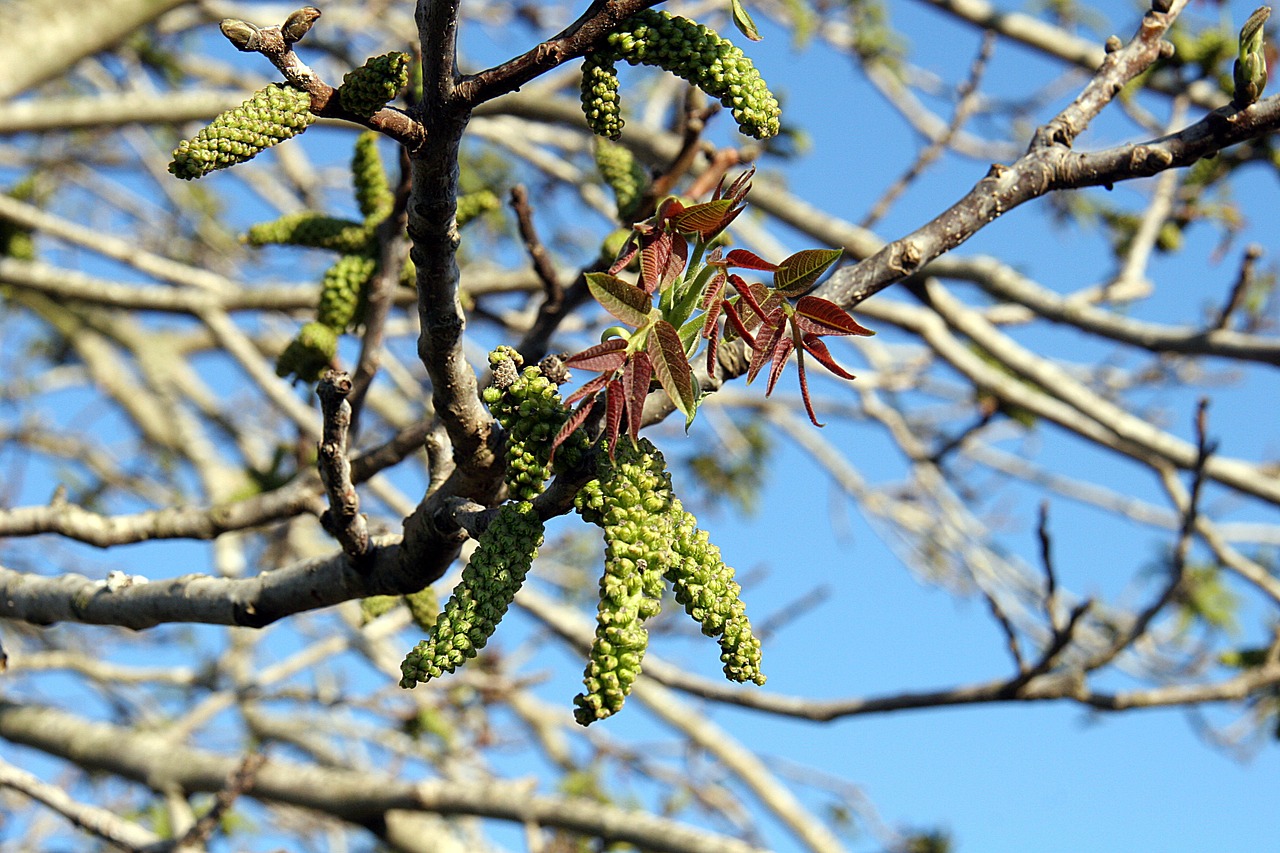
x,y
689,50
527,405
342,290
274,114
649,538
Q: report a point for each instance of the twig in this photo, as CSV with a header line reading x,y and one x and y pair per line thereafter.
x,y
240,782
1244,281
343,519
967,92
1046,561
542,265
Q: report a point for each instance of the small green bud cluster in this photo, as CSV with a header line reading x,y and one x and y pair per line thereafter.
x,y
308,354
424,607
474,205
650,536
620,171
600,103
527,405
369,88
695,53
273,114
342,291
373,190
490,581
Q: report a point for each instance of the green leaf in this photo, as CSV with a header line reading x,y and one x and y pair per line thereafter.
x,y
670,365
625,301
743,21
798,273
703,219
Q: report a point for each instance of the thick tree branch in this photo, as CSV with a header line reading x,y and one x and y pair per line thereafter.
x,y
360,798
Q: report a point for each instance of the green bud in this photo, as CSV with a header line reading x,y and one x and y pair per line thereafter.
x,y
369,88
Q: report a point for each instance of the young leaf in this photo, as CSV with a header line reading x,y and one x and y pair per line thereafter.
x,y
609,355
798,273
705,219
662,258
743,21
820,317
672,368
744,260
615,402
819,350
625,301
635,387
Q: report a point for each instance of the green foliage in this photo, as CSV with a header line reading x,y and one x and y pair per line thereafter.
x,y
489,583
274,114
471,206
1204,599
16,241
369,88
689,50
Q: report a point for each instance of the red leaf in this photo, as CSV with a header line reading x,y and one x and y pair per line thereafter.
x,y
635,382
781,350
820,317
625,254
671,366
742,259
753,294
804,391
798,273
713,347
609,355
575,420
590,389
662,259
738,325
766,340
614,402
819,350
625,301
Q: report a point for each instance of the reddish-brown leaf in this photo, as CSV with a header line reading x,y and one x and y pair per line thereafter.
x,y
766,340
662,258
738,326
635,384
589,389
819,350
820,317
742,259
781,350
614,402
575,420
804,390
602,357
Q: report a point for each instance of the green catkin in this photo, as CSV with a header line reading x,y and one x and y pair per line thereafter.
x,y
706,588
600,102
308,354
377,605
528,407
315,230
373,192
369,88
342,289
474,205
620,171
275,113
631,500
424,607
693,52
490,581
